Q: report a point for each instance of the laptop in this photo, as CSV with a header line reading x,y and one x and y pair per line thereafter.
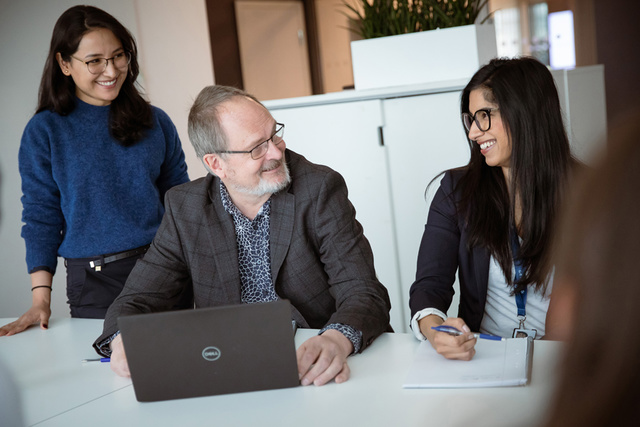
x,y
209,351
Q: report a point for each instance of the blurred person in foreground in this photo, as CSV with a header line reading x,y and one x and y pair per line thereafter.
x,y
596,301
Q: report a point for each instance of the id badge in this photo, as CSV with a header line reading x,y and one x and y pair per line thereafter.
x,y
524,333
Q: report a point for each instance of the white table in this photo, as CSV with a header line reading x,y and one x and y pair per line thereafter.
x,y
58,390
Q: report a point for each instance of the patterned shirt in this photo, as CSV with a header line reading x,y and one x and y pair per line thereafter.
x,y
254,257
254,261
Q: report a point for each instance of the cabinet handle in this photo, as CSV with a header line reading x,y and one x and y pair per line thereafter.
x,y
380,136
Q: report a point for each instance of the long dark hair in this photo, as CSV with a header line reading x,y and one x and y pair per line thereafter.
x,y
541,160
130,114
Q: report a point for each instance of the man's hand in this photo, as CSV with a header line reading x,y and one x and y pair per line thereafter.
x,y
323,358
461,347
37,313
119,363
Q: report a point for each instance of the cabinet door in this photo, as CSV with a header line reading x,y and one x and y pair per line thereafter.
x,y
423,136
584,109
345,137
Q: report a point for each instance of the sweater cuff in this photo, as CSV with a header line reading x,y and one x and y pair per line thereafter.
x,y
40,268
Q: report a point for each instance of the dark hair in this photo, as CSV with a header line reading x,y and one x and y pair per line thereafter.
x,y
130,115
541,160
597,266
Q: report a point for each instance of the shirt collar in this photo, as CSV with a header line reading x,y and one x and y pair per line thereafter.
x,y
233,210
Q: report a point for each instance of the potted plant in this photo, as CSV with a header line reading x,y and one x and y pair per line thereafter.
x,y
418,41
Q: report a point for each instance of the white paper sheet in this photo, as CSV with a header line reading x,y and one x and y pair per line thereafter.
x,y
495,364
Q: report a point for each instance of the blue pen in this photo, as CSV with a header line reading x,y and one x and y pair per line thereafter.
x,y
102,359
454,331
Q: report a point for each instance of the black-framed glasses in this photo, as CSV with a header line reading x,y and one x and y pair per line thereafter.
x,y
261,149
482,118
98,65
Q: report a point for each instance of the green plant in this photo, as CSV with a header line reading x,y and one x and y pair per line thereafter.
x,y
379,18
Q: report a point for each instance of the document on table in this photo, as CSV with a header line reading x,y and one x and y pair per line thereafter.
x,y
495,364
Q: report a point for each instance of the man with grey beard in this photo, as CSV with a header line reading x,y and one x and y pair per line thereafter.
x,y
264,224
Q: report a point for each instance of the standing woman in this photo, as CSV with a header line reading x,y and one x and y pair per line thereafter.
x,y
95,161
492,220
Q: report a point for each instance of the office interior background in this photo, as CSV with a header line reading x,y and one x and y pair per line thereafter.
x,y
187,45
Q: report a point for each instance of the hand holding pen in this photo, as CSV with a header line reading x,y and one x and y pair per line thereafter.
x,y
457,343
456,332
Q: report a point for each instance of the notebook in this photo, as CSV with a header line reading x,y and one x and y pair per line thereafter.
x,y
495,364
209,351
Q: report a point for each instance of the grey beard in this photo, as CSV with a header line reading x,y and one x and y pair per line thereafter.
x,y
265,187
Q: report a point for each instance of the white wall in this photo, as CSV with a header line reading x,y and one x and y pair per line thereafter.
x,y
175,61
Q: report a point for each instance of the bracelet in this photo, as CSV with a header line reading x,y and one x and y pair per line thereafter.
x,y
41,286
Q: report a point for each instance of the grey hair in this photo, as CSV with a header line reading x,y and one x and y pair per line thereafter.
x,y
205,131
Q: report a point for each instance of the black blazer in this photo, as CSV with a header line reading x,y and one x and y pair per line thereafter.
x,y
320,260
443,250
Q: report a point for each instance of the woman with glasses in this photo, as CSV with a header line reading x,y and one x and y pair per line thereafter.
x,y
95,161
492,220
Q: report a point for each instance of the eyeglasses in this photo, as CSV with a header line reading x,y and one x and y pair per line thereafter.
x,y
98,65
261,149
481,117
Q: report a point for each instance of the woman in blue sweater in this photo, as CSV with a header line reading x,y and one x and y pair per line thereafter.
x,y
95,160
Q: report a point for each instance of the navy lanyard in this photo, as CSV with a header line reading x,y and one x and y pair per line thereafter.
x,y
521,296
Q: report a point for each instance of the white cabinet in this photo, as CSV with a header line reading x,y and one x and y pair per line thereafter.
x,y
346,137
387,150
424,137
583,103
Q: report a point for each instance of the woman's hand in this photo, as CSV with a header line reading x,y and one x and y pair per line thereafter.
x,y
40,310
37,313
461,347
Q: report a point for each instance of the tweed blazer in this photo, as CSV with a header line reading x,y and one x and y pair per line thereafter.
x,y
320,260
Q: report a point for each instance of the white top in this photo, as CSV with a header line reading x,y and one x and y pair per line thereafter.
x,y
500,310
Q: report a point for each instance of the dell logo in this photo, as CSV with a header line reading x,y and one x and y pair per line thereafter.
x,y
211,353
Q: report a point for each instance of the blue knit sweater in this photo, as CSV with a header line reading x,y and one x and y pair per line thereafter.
x,y
84,194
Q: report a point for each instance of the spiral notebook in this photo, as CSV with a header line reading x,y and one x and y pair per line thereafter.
x,y
495,364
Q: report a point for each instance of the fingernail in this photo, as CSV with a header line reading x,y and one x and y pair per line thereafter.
x,y
466,328
306,381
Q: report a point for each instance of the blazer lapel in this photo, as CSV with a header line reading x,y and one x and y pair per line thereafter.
x,y
280,229
280,235
224,250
